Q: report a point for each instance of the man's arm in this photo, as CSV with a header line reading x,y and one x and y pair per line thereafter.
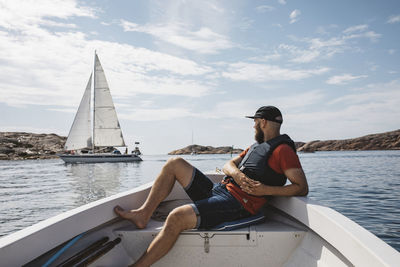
x,y
298,186
230,169
296,176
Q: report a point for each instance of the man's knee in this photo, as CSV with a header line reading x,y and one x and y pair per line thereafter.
x,y
175,162
180,168
181,218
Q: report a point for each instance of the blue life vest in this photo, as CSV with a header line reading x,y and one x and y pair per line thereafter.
x,y
255,163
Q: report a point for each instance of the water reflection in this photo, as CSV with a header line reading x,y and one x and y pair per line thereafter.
x,y
94,181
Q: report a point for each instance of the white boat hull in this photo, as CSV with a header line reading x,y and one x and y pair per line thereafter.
x,y
297,232
99,158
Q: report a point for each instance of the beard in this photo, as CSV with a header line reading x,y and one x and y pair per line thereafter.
x,y
259,136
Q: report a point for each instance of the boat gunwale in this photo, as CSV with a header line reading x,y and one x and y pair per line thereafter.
x,y
354,242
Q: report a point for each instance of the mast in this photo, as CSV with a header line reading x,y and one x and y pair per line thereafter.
x,y
94,98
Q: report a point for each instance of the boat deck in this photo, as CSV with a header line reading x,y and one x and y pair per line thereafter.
x,y
279,241
219,248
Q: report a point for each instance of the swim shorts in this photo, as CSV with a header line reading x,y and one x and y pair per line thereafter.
x,y
213,204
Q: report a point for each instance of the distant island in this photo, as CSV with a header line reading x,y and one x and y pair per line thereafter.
x,y
381,141
21,145
197,149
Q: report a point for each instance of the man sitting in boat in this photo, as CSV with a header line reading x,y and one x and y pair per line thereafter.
x,y
259,172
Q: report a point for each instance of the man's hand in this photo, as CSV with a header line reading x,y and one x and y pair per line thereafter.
x,y
252,187
298,186
248,185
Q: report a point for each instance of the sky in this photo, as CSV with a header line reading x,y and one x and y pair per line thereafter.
x,y
183,72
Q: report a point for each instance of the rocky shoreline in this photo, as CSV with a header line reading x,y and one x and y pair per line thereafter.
x,y
381,141
197,149
21,145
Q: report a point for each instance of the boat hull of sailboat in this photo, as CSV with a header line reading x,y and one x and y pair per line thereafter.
x,y
99,158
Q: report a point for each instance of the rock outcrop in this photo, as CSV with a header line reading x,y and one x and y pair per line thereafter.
x,y
20,145
382,141
197,149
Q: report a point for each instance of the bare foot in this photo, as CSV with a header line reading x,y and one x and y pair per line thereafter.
x,y
135,216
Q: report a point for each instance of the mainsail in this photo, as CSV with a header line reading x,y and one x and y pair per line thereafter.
x,y
107,131
80,135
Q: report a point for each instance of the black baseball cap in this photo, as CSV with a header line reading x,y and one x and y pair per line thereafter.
x,y
270,113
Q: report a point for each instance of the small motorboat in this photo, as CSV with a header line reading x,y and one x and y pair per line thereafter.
x,y
296,231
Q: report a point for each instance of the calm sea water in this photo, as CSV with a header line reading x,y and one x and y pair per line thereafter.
x,y
363,186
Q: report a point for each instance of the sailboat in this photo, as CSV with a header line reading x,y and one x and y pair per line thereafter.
x,y
96,126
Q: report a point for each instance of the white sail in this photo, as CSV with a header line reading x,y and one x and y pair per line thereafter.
x,y
107,131
80,134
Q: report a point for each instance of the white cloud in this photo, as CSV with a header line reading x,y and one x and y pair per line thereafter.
x,y
264,8
373,36
317,43
22,15
50,79
317,49
344,78
202,40
162,85
301,100
320,48
40,67
375,92
294,16
393,19
300,55
360,31
240,108
356,28
372,109
261,73
123,57
141,114
268,57
282,2
231,109
192,26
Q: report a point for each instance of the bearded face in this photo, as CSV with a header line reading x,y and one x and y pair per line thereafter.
x,y
259,136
